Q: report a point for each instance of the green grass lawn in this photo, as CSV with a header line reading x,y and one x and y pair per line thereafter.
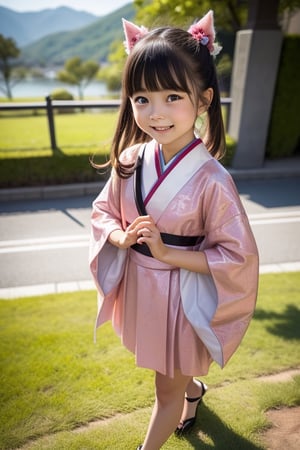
x,y
28,160
84,132
55,380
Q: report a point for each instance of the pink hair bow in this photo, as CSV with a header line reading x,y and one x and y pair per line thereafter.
x,y
133,34
204,32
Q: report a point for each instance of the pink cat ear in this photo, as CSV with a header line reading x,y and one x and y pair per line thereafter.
x,y
133,34
204,32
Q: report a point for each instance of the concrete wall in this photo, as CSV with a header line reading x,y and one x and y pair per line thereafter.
x,y
255,66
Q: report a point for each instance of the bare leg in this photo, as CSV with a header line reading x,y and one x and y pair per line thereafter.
x,y
167,409
193,390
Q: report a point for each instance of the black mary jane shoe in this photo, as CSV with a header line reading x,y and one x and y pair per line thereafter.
x,y
187,424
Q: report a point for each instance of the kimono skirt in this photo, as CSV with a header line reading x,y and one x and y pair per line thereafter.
x,y
153,323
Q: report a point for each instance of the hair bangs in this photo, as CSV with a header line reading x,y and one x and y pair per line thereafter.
x,y
156,67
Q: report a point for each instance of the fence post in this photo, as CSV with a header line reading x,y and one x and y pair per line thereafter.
x,y
228,108
50,117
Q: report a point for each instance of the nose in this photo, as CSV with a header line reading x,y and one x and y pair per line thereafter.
x,y
156,113
156,116
157,107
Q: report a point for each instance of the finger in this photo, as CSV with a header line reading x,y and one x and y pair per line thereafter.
x,y
141,219
145,232
146,225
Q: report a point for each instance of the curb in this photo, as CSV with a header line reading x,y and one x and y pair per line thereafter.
x,y
50,192
256,174
281,168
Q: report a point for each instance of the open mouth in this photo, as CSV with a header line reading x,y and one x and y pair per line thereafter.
x,y
162,128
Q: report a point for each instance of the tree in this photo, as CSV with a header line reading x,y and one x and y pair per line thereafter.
x,y
9,74
230,15
79,73
112,73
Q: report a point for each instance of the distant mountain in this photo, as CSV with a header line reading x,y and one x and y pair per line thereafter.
x,y
27,27
91,42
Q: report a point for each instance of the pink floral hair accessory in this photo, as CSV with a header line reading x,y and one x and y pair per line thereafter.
x,y
204,32
133,34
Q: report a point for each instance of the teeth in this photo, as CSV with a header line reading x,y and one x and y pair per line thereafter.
x,y
162,128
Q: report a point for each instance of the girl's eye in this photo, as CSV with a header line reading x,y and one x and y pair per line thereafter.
x,y
173,97
140,100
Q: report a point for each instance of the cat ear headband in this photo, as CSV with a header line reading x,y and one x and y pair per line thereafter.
x,y
203,31
133,34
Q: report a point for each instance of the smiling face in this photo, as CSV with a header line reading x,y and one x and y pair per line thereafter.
x,y
167,116
164,89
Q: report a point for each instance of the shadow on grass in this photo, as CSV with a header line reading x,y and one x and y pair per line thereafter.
x,y
285,324
222,437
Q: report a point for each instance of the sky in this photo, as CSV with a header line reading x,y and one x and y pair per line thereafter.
x,y
97,7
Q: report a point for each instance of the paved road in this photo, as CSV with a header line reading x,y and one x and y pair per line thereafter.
x,y
273,207
44,243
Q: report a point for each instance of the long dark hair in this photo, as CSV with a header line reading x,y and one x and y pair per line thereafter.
x,y
167,58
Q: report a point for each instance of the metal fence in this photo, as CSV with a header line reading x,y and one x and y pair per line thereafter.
x,y
50,106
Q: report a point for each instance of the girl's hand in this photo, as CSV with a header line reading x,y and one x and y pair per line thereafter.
x,y
143,230
130,235
149,234
124,239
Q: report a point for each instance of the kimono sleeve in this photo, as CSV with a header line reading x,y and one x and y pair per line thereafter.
x,y
106,260
232,257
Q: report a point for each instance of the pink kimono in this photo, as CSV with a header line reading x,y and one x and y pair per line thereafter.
x,y
171,318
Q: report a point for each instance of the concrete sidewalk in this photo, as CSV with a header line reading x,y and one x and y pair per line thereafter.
x,y
280,168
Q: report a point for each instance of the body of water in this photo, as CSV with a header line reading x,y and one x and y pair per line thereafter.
x,y
45,86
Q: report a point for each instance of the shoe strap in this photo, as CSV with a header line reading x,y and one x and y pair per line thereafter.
x,y
195,399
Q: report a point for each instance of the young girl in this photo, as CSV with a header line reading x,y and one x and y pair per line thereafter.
x,y
172,254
